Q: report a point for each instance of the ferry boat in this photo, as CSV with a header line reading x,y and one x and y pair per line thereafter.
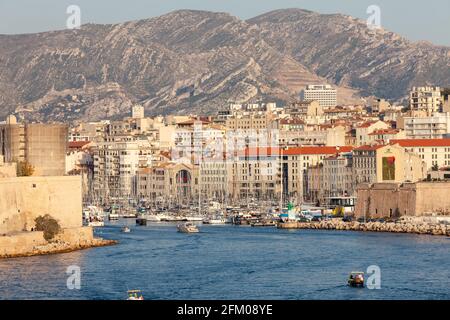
x,y
187,228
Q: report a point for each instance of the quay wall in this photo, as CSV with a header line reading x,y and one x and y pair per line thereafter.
x,y
25,198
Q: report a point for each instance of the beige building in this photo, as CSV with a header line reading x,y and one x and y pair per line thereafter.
x,y
25,198
434,152
390,163
392,200
363,131
43,146
168,183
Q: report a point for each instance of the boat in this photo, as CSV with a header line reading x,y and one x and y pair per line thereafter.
x,y
135,295
265,223
113,216
153,218
214,221
125,229
93,217
193,218
187,228
356,279
141,220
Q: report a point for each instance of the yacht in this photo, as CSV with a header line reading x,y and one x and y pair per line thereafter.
x,y
187,228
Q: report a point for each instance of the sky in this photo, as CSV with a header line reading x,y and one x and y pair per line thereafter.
x,y
415,19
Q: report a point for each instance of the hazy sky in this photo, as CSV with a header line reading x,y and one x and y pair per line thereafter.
x,y
415,19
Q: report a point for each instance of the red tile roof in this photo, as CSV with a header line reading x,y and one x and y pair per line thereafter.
x,y
77,144
384,131
421,142
369,148
306,150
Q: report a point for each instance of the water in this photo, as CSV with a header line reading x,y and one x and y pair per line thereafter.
x,y
231,262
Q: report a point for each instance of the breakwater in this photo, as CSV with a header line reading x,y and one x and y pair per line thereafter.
x,y
438,229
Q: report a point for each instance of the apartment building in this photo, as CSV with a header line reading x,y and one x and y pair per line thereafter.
x,y
428,99
324,94
436,126
116,163
364,129
391,163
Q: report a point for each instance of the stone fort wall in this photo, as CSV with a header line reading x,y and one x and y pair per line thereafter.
x,y
25,198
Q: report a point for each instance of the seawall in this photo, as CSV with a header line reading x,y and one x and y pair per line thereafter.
x,y
24,244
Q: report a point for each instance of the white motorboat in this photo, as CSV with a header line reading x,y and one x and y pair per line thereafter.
x,y
194,218
187,228
214,221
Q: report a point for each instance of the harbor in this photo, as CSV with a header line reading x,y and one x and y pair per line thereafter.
x,y
235,262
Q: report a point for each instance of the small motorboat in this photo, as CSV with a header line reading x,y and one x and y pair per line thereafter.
x,y
135,295
126,229
187,228
356,279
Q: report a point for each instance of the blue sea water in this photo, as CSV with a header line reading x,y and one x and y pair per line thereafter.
x,y
236,262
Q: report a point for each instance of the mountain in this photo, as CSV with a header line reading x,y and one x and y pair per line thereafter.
x,y
348,53
196,61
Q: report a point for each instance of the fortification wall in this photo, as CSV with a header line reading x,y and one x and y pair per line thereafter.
x,y
25,198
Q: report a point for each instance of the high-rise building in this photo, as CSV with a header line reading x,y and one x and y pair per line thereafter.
x,y
428,99
324,94
137,112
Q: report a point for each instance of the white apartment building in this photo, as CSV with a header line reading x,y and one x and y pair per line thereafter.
x,y
435,126
324,94
116,164
425,98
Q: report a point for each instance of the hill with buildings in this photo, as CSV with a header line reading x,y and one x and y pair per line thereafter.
x,y
196,61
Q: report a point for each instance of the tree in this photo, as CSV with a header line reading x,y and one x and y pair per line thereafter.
x,y
435,167
24,169
48,225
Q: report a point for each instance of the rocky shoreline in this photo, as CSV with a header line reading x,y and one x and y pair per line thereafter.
x,y
396,227
60,247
